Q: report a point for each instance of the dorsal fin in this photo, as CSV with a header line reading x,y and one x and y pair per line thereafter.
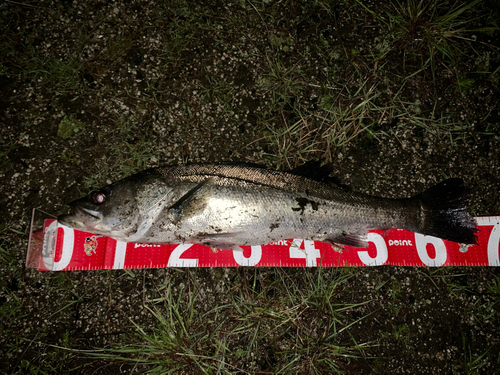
x,y
314,170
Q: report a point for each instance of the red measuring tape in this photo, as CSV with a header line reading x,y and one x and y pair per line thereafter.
x,y
58,248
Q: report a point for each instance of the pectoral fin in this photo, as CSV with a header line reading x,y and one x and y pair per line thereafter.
x,y
219,240
192,202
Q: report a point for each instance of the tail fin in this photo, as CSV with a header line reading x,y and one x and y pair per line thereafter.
x,y
445,214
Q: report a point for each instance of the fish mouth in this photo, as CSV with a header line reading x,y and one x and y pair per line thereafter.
x,y
96,215
81,217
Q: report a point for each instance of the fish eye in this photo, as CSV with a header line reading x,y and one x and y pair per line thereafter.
x,y
100,196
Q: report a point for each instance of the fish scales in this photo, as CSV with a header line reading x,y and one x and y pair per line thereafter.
x,y
227,206
274,207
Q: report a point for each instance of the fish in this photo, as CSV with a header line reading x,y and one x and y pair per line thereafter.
x,y
229,205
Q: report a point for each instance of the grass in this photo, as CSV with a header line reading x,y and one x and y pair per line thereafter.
x,y
7,146
9,260
128,152
433,32
353,106
347,114
51,72
343,115
281,81
310,329
472,364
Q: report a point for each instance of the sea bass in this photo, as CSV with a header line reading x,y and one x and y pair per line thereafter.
x,y
228,205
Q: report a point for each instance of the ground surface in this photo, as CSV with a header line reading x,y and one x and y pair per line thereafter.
x,y
397,96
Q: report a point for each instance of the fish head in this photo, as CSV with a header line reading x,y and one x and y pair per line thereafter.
x,y
109,211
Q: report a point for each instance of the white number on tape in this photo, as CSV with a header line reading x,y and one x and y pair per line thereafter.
x,y
382,253
175,258
310,252
421,242
252,260
493,245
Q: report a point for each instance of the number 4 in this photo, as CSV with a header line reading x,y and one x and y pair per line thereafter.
x,y
310,252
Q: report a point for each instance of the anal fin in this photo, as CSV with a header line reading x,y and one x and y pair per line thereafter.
x,y
349,239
